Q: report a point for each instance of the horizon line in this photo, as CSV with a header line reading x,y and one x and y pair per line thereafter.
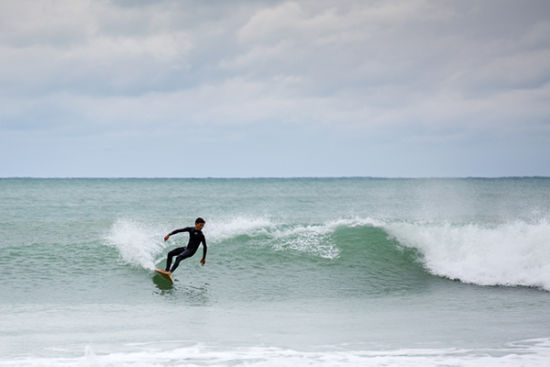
x,y
253,177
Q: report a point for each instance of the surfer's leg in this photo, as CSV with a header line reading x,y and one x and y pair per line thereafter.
x,y
185,255
171,254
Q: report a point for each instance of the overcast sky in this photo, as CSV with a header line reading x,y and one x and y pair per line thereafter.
x,y
403,88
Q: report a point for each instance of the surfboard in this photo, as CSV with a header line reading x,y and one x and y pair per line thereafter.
x,y
165,274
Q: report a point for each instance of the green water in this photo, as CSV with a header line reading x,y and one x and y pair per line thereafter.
x,y
337,266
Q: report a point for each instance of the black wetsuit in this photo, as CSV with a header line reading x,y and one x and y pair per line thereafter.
x,y
195,239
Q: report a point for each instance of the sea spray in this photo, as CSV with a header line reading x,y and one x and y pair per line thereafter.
x,y
137,243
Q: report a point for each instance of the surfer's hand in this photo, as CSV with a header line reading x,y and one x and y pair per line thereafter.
x,y
203,261
166,237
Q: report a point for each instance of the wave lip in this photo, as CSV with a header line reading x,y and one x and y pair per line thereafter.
x,y
510,254
220,229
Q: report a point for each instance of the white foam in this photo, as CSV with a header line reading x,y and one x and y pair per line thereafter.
x,y
138,244
532,353
315,239
312,239
515,253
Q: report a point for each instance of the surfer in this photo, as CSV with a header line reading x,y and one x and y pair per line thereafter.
x,y
195,239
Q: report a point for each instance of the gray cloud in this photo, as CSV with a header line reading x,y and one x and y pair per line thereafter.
x,y
402,71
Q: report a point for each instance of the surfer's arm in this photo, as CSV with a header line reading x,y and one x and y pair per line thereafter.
x,y
204,248
186,229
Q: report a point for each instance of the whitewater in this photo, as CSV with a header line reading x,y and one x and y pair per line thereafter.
x,y
306,271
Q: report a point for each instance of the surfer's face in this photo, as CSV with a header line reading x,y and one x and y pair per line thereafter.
x,y
199,226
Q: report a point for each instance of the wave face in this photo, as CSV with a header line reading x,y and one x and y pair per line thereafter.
x,y
386,252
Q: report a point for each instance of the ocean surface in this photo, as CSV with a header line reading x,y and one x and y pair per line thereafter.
x,y
299,272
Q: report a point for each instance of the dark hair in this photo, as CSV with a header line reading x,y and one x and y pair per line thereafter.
x,y
199,220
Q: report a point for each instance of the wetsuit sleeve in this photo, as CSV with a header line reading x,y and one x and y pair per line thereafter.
x,y
204,247
186,229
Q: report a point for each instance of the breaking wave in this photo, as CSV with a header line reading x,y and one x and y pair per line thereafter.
x,y
508,254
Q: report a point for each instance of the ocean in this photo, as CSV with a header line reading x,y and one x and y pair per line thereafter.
x,y
299,272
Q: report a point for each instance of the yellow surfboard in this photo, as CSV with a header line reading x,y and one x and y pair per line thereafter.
x,y
165,274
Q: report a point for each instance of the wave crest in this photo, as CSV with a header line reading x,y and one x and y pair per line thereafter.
x,y
510,254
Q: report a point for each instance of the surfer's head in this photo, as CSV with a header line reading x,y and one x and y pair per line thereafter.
x,y
199,223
